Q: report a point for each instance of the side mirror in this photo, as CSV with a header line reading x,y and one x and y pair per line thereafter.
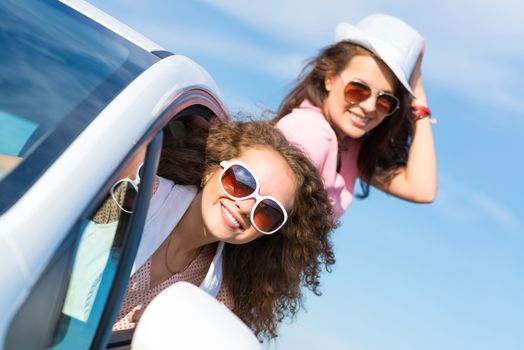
x,y
185,317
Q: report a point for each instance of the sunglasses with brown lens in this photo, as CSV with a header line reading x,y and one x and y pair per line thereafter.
x,y
357,92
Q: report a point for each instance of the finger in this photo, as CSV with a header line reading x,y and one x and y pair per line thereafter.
x,y
138,313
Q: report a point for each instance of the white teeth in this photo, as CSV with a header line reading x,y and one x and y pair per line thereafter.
x,y
359,119
231,217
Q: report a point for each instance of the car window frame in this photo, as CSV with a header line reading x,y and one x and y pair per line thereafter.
x,y
196,100
130,245
57,271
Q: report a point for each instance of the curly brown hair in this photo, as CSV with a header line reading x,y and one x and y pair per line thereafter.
x,y
385,148
265,276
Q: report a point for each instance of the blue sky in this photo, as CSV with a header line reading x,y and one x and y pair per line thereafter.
x,y
449,275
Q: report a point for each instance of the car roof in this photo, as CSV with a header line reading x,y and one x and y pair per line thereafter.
x,y
115,25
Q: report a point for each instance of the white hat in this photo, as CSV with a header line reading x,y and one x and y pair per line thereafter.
x,y
392,40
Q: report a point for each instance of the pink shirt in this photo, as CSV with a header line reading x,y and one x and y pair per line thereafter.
x,y
307,128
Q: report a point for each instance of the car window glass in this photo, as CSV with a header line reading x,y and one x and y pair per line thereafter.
x,y
59,70
95,263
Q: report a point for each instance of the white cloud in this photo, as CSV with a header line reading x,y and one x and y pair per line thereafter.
x,y
485,79
226,48
471,44
447,20
460,202
474,48
309,23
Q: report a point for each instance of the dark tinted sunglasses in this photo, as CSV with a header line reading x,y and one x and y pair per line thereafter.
x,y
238,182
356,92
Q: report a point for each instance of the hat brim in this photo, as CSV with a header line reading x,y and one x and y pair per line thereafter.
x,y
348,32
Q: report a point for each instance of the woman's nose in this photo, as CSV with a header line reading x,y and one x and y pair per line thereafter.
x,y
369,104
245,205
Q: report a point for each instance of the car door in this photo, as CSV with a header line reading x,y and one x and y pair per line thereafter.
x,y
76,297
72,84
75,301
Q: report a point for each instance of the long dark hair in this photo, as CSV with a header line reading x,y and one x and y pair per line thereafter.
x,y
385,148
264,276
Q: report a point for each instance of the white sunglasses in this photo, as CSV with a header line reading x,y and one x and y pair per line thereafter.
x,y
239,182
130,192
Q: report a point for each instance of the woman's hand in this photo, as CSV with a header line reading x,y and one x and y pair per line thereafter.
x,y
415,81
417,181
137,314
9,162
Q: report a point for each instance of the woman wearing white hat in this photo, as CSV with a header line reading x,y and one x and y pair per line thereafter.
x,y
359,110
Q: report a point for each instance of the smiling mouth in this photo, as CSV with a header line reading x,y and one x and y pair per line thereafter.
x,y
361,121
230,218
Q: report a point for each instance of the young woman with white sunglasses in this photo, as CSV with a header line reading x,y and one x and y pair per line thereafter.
x,y
244,215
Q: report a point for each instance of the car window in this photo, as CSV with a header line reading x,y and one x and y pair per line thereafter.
x,y
96,260
190,121
76,298
59,69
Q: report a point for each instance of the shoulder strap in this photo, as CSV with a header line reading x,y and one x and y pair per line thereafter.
x,y
213,280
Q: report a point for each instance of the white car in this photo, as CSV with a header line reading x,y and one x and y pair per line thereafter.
x,y
80,95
